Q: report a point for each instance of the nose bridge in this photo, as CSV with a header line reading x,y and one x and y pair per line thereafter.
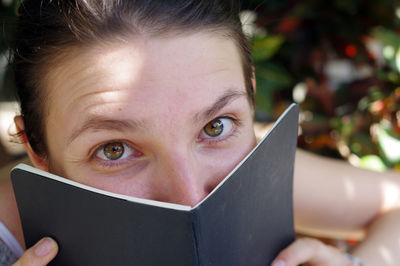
x,y
182,179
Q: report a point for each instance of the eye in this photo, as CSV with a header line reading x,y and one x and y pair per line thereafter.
x,y
218,127
113,151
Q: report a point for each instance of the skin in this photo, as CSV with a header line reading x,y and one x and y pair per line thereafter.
x,y
122,92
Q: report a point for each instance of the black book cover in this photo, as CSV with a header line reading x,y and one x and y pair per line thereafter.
x,y
246,220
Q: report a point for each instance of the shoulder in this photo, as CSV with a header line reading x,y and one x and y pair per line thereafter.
x,y
8,208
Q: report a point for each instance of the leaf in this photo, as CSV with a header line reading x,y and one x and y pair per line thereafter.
x,y
264,48
271,77
372,162
276,75
387,37
361,143
389,145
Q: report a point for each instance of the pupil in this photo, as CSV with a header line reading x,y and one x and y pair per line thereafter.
x,y
114,151
214,128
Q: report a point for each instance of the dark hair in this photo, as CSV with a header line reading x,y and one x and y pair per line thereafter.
x,y
48,28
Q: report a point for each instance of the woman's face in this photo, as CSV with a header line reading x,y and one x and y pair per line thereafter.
x,y
158,118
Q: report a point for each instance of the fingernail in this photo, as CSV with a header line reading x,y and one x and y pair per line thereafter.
x,y
278,262
44,246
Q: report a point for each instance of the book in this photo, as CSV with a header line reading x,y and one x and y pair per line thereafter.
x,y
246,220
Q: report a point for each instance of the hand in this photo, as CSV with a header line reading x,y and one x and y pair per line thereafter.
x,y
312,252
40,254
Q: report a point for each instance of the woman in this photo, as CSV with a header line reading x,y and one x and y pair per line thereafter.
x,y
152,99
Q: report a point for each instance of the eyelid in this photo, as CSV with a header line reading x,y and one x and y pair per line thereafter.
x,y
114,164
214,140
100,145
126,150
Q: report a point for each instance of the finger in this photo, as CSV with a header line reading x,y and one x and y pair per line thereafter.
x,y
312,251
40,254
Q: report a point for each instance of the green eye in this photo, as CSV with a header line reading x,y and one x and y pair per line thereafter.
x,y
113,151
214,128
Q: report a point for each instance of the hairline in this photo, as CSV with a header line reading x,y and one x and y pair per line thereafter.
x,y
55,60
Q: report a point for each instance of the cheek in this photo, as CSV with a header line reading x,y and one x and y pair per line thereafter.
x,y
211,166
125,183
219,166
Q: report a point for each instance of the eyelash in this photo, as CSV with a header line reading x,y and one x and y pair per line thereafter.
x,y
119,163
110,164
212,141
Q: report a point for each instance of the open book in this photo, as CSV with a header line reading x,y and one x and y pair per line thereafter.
x,y
246,220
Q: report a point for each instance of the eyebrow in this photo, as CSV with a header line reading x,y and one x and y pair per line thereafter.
x,y
220,103
99,122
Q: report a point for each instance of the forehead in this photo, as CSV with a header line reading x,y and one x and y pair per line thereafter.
x,y
143,72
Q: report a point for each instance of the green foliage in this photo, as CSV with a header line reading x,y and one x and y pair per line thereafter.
x,y
270,78
389,143
372,162
265,47
346,54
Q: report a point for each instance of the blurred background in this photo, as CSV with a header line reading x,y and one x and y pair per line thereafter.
x,y
339,59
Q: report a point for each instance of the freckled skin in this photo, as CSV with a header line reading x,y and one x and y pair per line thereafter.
x,y
164,83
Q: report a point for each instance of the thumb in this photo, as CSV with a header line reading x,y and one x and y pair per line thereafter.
x,y
40,254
